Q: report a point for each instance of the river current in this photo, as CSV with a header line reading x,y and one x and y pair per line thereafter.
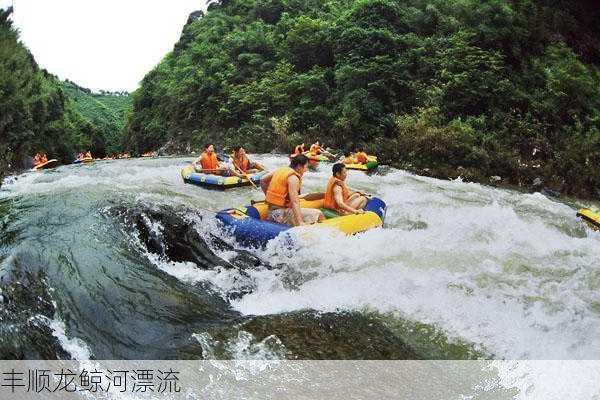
x,y
121,259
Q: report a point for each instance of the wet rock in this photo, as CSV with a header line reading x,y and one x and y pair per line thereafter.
x,y
495,179
318,336
26,311
166,233
537,182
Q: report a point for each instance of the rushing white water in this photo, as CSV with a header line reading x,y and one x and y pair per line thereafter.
x,y
517,274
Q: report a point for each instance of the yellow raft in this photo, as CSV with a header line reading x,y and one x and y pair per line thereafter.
x,y
249,224
370,165
592,218
48,164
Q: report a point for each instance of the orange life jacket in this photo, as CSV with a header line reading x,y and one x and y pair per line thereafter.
x,y
329,201
243,164
209,161
314,149
349,160
361,157
278,190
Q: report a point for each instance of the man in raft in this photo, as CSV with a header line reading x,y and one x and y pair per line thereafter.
x,y
316,149
242,163
299,149
339,197
282,194
209,164
361,156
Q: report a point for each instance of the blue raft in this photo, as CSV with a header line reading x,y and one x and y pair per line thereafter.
x,y
249,225
212,181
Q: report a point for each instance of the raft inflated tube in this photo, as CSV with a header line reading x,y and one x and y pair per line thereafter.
x,y
213,181
592,218
318,158
48,164
250,226
370,165
86,160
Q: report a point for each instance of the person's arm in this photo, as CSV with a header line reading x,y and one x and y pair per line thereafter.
x,y
339,199
293,188
265,181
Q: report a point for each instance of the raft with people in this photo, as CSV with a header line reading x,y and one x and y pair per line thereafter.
x,y
208,172
40,161
360,161
213,181
249,224
339,207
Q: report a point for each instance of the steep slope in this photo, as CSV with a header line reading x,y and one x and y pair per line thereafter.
x,y
470,88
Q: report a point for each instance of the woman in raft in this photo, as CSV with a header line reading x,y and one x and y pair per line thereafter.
x,y
282,194
242,163
209,164
339,197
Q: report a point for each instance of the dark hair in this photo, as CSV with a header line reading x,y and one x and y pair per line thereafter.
x,y
348,153
237,148
207,145
299,160
337,168
360,149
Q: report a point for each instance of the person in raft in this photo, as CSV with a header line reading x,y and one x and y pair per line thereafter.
x,y
88,154
282,194
349,158
209,164
316,149
339,197
361,156
39,158
242,163
299,149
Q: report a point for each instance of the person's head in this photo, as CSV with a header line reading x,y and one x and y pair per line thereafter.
x,y
299,163
348,154
360,150
317,143
209,148
339,171
239,151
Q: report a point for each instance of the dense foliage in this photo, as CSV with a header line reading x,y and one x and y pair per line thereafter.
x,y
470,87
105,111
38,115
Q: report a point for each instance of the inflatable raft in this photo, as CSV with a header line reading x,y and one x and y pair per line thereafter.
x,y
590,217
212,181
369,166
317,158
48,164
86,160
249,225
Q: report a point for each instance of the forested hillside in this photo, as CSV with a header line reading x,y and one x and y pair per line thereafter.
x,y
491,88
38,112
34,112
105,110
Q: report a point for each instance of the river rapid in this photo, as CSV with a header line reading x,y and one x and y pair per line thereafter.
x,y
121,259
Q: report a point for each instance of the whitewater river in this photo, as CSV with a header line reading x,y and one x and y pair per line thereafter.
x,y
121,259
